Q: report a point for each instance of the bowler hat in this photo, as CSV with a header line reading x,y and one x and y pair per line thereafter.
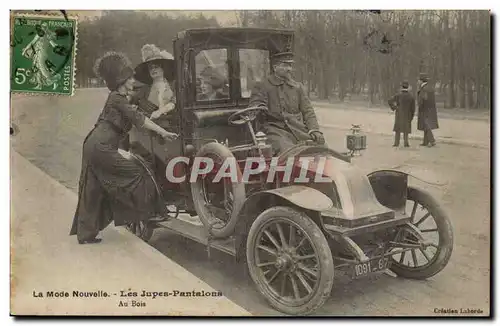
x,y
405,84
423,77
152,54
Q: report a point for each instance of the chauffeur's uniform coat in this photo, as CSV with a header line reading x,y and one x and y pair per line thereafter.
x,y
291,116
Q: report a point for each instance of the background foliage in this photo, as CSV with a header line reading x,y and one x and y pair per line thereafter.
x,y
340,54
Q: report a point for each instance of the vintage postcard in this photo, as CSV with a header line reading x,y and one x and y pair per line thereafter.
x,y
251,163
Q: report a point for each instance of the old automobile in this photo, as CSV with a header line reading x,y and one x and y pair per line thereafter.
x,y
294,235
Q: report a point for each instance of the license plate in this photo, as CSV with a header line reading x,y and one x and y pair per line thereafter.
x,y
372,266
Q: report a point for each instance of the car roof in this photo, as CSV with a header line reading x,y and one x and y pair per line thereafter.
x,y
232,30
272,39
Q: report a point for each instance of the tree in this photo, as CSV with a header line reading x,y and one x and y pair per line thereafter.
x,y
370,53
127,32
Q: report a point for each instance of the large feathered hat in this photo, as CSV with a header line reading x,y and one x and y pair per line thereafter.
x,y
152,54
115,68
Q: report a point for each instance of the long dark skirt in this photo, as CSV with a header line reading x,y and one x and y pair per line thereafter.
x,y
111,187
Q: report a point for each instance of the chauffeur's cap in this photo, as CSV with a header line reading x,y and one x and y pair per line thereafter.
x,y
286,56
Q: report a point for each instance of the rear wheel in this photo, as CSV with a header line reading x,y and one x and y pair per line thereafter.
x,y
289,260
145,229
435,226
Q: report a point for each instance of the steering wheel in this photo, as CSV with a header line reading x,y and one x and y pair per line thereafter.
x,y
245,115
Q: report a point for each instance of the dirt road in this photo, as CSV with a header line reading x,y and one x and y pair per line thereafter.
x,y
51,135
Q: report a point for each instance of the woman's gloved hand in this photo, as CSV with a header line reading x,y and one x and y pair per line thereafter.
x,y
156,114
168,135
161,111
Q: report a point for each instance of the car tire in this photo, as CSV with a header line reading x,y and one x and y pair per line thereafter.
x,y
445,247
206,216
303,224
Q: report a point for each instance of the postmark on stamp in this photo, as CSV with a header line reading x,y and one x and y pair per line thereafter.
x,y
43,49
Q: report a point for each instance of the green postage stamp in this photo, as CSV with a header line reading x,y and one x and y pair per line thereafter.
x,y
43,49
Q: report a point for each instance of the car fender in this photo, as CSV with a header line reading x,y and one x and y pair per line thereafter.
x,y
390,188
301,196
390,185
307,198
420,173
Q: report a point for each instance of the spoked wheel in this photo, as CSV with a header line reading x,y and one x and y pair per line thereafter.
x,y
433,223
141,229
289,260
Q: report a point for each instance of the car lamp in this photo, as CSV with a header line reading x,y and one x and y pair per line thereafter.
x,y
356,140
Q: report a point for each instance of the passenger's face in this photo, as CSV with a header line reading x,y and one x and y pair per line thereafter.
x,y
206,88
129,84
155,71
283,69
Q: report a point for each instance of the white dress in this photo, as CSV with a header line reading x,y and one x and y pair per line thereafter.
x,y
161,93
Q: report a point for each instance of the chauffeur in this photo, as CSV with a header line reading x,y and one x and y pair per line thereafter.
x,y
291,118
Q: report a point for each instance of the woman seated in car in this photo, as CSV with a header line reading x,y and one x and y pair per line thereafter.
x,y
213,85
156,98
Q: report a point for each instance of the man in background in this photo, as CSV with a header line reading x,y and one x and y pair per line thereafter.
x,y
403,103
427,113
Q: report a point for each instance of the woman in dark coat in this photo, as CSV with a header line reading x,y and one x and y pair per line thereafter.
x,y
403,104
111,186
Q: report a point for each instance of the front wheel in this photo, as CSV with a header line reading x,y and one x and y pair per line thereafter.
x,y
289,260
435,226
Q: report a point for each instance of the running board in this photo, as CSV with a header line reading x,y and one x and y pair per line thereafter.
x,y
199,234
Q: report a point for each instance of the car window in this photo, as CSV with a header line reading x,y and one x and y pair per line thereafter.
x,y
254,67
212,75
